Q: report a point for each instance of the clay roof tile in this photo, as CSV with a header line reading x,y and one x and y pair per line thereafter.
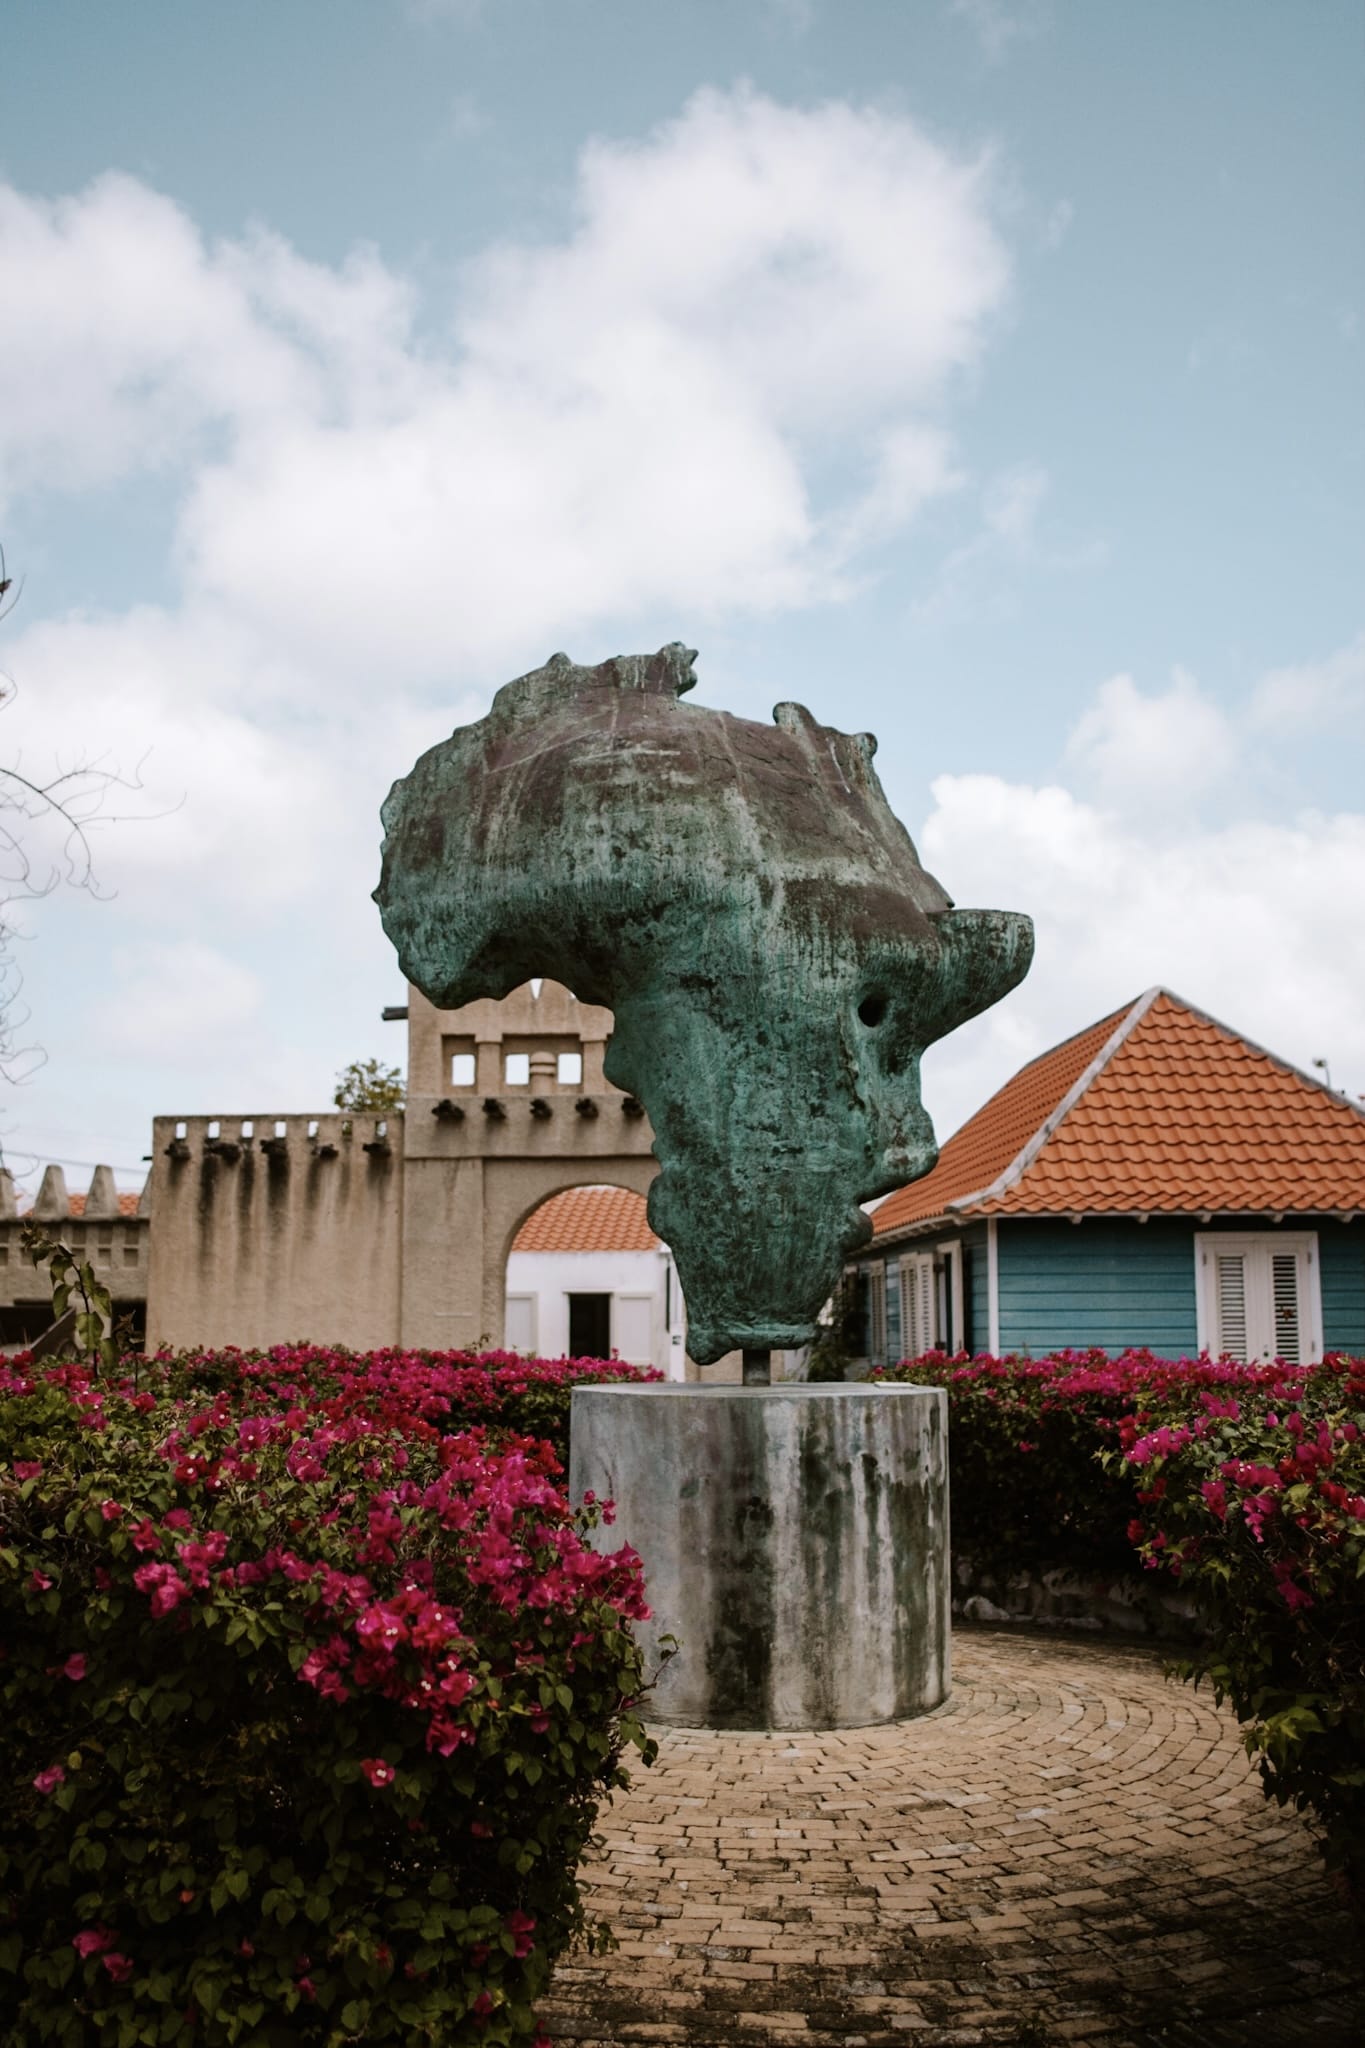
x,y
595,1219
1157,1109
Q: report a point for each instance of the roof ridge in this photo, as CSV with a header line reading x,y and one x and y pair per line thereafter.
x,y
1024,1158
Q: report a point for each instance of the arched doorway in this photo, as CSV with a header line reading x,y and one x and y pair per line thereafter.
x,y
586,1277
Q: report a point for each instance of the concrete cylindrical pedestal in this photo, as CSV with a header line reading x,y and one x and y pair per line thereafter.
x,y
795,1541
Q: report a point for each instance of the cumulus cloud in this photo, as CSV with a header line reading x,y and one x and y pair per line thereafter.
x,y
1251,918
1156,751
644,413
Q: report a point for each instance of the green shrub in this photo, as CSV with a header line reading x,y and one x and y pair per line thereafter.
x,y
306,1708
1254,1497
442,1389
1028,1490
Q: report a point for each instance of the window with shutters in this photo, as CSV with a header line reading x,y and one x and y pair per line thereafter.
x,y
919,1303
1257,1295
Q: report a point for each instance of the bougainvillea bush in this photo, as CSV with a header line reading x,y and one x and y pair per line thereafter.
x,y
1254,1497
309,1694
1029,1492
502,1389
1245,1484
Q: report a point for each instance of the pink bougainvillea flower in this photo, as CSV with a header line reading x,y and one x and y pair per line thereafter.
x,y
377,1771
27,1468
307,1989
39,1581
48,1780
74,1666
112,1511
91,1940
482,2006
521,1926
119,1967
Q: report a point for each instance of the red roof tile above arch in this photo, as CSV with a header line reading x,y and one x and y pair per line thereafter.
x,y
597,1219
1181,1115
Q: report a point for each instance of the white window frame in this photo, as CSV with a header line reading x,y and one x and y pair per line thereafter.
x,y
1257,1247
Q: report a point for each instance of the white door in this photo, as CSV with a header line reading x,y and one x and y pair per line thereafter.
x,y
1258,1296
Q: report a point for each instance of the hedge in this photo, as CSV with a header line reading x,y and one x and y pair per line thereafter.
x,y
1245,1483
1254,1498
309,1695
1028,1490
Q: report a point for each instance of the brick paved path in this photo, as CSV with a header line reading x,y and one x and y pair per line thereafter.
x,y
1073,1851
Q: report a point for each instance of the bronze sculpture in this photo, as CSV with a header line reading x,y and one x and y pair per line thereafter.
x,y
744,900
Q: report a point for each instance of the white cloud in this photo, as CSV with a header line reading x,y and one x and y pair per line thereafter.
x,y
239,803
1012,534
642,415
1154,751
181,1002
1252,918
997,24
1326,697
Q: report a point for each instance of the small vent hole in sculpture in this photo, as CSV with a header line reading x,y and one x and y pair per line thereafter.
x,y
872,1009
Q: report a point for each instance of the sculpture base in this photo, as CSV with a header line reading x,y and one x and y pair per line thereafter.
x,y
795,1541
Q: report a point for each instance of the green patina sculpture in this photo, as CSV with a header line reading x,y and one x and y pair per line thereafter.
x,y
743,899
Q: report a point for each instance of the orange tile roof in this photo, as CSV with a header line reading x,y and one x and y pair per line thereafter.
x,y
127,1205
588,1220
986,1144
75,1205
1158,1109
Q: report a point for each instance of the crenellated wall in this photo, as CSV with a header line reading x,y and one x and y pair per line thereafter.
x,y
99,1229
364,1230
274,1228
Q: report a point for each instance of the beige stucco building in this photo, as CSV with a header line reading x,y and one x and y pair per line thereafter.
x,y
369,1230
272,1226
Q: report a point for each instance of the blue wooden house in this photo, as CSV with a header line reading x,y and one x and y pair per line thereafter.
x,y
1156,1180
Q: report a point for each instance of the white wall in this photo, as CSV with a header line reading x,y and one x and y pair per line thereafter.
x,y
539,1285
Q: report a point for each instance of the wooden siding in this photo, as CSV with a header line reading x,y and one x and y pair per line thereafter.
x,y
1341,1251
975,1284
1116,1283
1112,1284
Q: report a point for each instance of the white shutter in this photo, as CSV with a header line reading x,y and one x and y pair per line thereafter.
x,y
1231,1338
1285,1302
1258,1295
877,1314
918,1303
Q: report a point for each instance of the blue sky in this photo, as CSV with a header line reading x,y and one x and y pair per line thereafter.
x,y
986,373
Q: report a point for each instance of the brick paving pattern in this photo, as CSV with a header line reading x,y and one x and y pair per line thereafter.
x,y
1074,1851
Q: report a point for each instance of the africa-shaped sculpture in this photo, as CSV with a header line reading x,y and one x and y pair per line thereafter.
x,y
743,899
